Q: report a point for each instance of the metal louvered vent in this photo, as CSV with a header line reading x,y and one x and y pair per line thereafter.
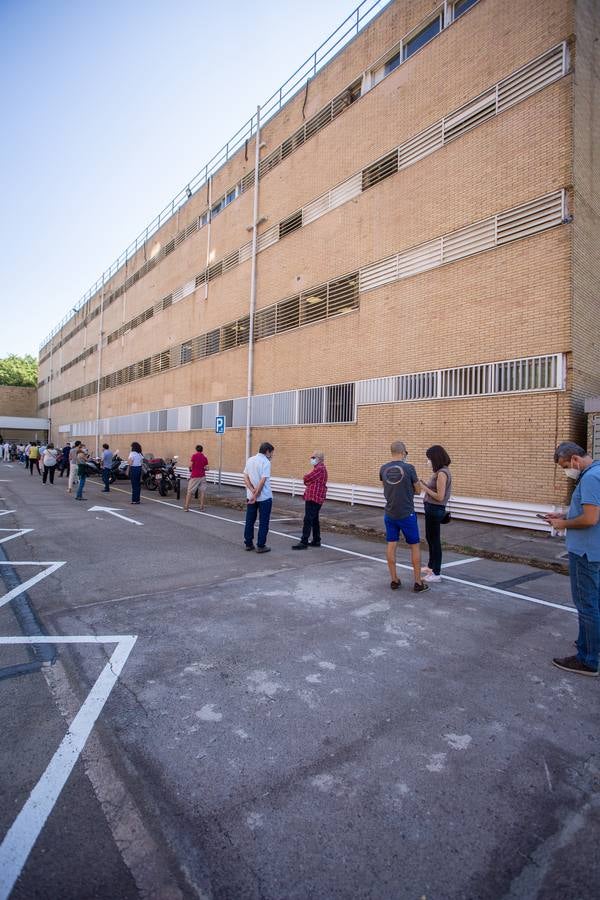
x,y
378,171
378,274
290,224
422,145
315,209
265,323
310,406
376,390
345,191
417,386
532,77
420,259
473,239
472,114
231,261
530,218
268,237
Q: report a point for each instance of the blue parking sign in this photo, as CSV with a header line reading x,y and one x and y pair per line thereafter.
x,y
220,424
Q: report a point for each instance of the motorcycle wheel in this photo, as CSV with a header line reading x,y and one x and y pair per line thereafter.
x,y
162,487
112,478
150,483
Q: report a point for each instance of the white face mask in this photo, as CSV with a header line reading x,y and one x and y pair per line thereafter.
x,y
429,464
313,460
572,473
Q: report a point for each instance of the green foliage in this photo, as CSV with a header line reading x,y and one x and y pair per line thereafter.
x,y
20,371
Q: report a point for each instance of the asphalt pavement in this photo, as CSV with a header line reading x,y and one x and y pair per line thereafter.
x,y
222,724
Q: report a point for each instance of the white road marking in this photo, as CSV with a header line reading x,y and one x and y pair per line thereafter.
x,y
378,559
25,585
6,512
113,512
461,562
25,830
20,531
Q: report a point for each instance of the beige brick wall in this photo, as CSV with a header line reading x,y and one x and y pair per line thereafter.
x,y
586,209
511,302
18,401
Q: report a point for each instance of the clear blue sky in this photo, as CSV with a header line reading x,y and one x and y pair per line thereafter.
x,y
108,108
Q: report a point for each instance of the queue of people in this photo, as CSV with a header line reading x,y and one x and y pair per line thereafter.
x,y
401,484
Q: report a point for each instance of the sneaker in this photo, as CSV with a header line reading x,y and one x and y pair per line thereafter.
x,y
248,546
433,578
574,664
264,549
300,546
419,588
314,544
425,570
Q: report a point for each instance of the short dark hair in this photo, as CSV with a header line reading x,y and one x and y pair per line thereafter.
x,y
199,448
105,446
137,448
77,443
438,456
266,447
568,449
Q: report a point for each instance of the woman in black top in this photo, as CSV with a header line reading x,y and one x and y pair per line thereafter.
x,y
436,493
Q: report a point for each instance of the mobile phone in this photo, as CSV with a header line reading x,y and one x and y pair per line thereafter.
x,y
541,516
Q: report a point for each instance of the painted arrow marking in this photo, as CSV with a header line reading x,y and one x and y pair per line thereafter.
x,y
10,537
113,512
6,512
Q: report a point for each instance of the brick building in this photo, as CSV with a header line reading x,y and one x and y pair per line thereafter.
x,y
421,249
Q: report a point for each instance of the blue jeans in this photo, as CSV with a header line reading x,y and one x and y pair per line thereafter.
x,y
262,509
106,479
135,475
585,589
79,493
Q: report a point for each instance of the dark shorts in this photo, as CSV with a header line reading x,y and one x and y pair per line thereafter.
x,y
408,526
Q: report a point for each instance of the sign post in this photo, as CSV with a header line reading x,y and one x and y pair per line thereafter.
x,y
220,430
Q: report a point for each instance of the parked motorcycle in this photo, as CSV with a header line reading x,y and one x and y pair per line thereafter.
x,y
167,479
151,468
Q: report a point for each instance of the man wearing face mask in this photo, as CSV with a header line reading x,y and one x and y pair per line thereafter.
x,y
582,526
314,497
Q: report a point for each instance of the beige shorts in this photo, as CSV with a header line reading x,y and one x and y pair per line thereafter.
x,y
195,483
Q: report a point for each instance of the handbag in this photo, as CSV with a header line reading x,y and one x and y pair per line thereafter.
x,y
447,518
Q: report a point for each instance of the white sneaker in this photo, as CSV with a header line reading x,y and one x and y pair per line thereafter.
x,y
432,579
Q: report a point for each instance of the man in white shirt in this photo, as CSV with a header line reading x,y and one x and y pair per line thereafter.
x,y
259,497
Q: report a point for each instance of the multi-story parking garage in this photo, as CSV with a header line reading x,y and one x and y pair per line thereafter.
x,y
412,251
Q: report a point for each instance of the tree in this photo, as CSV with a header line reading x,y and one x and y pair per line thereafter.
x,y
20,371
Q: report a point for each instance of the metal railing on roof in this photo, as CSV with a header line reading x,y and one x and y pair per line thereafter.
x,y
344,33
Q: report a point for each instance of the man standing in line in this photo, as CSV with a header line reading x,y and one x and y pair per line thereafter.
x,y
107,458
197,479
314,497
81,458
582,525
259,497
400,484
64,463
72,465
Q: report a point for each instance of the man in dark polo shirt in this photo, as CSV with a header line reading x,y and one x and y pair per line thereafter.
x,y
400,484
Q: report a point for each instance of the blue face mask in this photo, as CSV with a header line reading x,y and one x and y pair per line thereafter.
x,y
313,460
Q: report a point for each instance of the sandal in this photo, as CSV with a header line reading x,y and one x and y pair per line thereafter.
x,y
395,585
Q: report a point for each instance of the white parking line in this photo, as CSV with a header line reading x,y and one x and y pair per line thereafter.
x,y
25,585
484,587
25,830
20,532
461,562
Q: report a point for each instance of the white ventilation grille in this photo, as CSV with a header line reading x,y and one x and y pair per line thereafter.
x,y
184,291
422,145
315,209
245,252
268,237
345,191
379,273
262,410
467,241
474,113
530,218
522,221
532,77
376,390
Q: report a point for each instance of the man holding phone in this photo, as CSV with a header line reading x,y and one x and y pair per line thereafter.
x,y
582,526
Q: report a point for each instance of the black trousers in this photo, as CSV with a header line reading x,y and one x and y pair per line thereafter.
x,y
48,470
311,522
433,522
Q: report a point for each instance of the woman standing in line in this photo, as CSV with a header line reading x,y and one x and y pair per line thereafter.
x,y
436,493
49,461
134,461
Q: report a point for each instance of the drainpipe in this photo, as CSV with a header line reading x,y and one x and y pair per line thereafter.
x,y
50,393
100,336
253,286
